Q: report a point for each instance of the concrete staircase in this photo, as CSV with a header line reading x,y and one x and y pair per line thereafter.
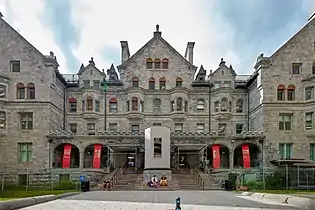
x,y
185,179
128,180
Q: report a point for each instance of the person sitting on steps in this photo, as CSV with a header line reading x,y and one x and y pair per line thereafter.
x,y
163,181
154,181
106,185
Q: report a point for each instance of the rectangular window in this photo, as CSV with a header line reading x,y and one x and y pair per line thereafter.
x,y
313,67
73,127
97,105
113,107
285,121
296,68
179,127
141,108
15,66
26,120
179,84
134,105
312,151
239,128
200,127
127,106
73,106
21,93
157,124
217,85
89,104
309,120
31,92
222,129
157,147
91,126
112,126
151,85
285,150
96,84
162,85
227,84
2,121
135,128
309,93
83,106
86,83
25,154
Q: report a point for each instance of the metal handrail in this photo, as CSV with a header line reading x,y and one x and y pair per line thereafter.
x,y
199,178
115,176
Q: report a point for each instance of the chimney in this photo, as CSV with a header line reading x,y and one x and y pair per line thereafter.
x,y
125,54
157,32
189,54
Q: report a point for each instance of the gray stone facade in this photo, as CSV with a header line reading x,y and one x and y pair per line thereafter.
x,y
218,108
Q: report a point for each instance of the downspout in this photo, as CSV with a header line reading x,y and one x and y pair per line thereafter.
x,y
248,110
209,107
64,109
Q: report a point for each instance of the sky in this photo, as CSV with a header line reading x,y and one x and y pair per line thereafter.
x,y
236,30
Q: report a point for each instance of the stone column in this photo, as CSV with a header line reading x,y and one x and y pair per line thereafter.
x,y
231,158
81,158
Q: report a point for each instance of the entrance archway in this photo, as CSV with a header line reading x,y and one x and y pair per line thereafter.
x,y
66,156
220,161
96,156
254,153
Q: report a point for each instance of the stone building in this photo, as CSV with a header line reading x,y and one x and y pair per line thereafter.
x,y
94,120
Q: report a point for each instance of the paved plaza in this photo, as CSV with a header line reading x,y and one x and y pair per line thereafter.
x,y
159,200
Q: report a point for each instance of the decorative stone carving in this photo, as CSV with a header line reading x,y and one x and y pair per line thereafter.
x,y
2,120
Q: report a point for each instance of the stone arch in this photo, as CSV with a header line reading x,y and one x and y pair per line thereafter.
x,y
223,160
254,155
66,155
96,156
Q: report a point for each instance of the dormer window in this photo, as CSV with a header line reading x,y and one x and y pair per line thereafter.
x,y
217,85
149,63
179,82
135,82
157,63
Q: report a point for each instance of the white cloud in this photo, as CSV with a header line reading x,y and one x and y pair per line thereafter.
x,y
25,20
106,23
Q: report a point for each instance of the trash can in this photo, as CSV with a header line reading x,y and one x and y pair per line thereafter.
x,y
85,186
228,185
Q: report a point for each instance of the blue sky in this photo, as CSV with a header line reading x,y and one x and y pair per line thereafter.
x,y
237,30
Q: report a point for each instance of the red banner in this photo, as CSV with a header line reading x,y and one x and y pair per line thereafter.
x,y
216,161
97,156
246,156
66,156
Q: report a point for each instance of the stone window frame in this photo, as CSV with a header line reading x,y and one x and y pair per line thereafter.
x,y
200,127
89,103
20,91
178,127
25,149
97,107
3,120
135,82
135,128
165,63
162,83
112,126
240,106
86,83
285,150
179,82
281,92
285,121
309,120
291,93
179,104
113,105
134,104
222,129
30,90
157,105
149,63
201,104
73,104
309,93
15,66
312,151
151,83
96,84
26,121
157,63
296,68
73,127
239,128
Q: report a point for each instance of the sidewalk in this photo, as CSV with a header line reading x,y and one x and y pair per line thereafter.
x,y
298,200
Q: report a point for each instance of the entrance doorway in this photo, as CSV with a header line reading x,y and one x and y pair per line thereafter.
x,y
131,161
182,160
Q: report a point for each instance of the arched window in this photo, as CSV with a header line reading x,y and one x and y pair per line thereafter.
x,y
224,105
156,105
149,63
291,93
172,106
217,106
179,104
72,104
113,105
179,82
20,91
157,63
151,83
134,104
135,82
162,83
239,106
200,104
89,103
30,91
165,63
281,93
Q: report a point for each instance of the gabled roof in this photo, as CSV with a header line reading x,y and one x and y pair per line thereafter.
x,y
158,37
303,29
91,64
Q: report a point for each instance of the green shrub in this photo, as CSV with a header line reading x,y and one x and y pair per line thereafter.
x,y
65,185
